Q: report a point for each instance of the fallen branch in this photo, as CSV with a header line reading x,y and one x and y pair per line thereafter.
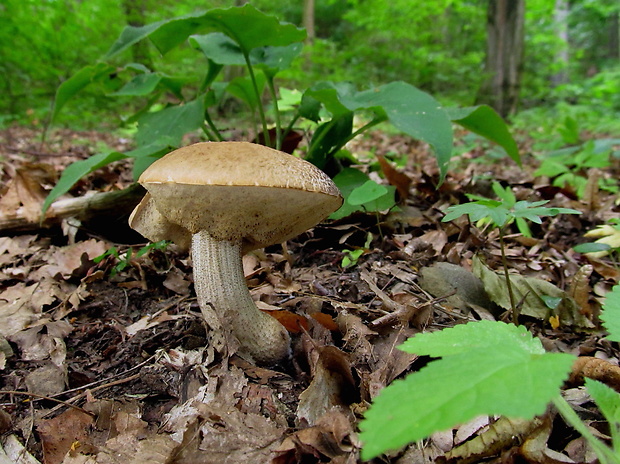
x,y
103,206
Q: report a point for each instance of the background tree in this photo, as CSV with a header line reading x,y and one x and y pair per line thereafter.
x,y
504,59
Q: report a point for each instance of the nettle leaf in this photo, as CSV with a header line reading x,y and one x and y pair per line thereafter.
x,y
488,368
247,26
484,120
608,401
611,313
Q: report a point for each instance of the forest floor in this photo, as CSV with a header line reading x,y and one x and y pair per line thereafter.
x,y
107,360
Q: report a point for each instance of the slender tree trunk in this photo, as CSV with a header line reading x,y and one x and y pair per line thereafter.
x,y
308,20
134,13
561,57
504,62
613,47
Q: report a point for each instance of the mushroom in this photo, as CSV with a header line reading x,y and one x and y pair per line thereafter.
x,y
224,199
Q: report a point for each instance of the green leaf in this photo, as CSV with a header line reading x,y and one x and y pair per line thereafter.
x,y
608,401
328,137
484,121
81,79
611,313
140,85
171,124
367,192
246,25
489,368
349,181
75,171
219,48
243,89
483,335
591,247
413,112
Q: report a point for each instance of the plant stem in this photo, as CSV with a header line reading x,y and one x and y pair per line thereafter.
x,y
276,111
361,130
261,111
605,455
513,305
211,124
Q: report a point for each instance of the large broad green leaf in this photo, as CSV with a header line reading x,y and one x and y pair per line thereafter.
x,y
223,50
246,25
484,121
140,85
171,124
79,81
488,368
243,89
409,109
329,137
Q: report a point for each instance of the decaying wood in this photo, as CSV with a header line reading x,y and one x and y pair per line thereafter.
x,y
99,206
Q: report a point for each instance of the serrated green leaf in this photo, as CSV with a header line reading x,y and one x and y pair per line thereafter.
x,y
484,121
503,379
608,401
481,335
611,313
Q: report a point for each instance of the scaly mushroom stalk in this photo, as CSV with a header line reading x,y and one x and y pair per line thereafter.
x,y
220,284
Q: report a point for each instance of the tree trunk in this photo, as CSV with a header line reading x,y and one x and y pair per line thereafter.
x,y
308,20
504,62
613,48
561,57
134,14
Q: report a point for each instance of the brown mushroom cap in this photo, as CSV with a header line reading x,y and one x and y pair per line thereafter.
x,y
233,190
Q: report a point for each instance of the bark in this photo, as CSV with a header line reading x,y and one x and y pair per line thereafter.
x,y
504,61
613,47
134,13
308,20
561,57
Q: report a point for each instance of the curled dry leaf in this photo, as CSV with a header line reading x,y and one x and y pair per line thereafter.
x,y
332,387
596,369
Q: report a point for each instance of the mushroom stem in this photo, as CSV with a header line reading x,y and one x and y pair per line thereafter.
x,y
220,284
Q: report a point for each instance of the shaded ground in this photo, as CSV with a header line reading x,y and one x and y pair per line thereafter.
x,y
107,360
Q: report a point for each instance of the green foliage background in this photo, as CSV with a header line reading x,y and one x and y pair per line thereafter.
x,y
368,42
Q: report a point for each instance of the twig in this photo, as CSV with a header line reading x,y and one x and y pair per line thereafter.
x,y
43,397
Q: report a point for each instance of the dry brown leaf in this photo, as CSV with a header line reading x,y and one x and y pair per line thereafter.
x,y
59,434
331,438
580,290
25,193
401,181
294,323
332,386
